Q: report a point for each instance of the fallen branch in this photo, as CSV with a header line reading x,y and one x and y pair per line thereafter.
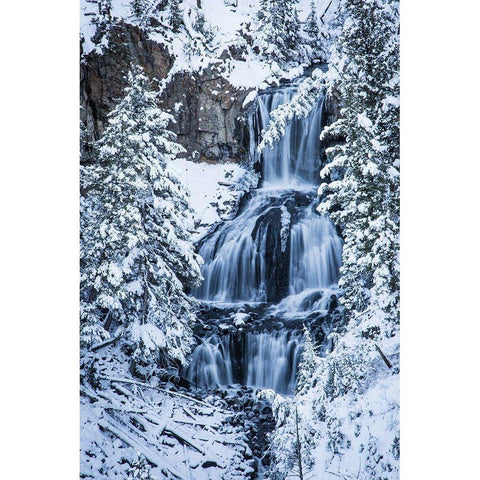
x,y
182,440
106,343
91,396
384,358
151,457
163,390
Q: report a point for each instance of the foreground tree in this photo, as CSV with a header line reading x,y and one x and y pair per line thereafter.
x,y
308,365
361,188
137,256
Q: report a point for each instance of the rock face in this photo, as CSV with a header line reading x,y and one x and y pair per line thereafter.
x,y
207,109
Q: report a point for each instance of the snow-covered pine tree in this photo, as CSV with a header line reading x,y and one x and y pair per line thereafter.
x,y
292,441
143,11
102,21
278,36
137,256
175,16
312,32
139,470
199,31
361,188
160,15
308,365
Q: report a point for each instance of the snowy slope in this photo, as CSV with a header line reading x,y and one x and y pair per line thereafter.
x,y
183,437
230,25
215,190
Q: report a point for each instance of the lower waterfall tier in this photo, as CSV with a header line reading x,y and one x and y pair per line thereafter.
x,y
256,359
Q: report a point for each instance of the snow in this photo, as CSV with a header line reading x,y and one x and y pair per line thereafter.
x,y
229,24
371,417
250,98
122,418
239,319
215,190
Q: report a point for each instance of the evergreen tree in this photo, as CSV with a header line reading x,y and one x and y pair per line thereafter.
x,y
136,252
175,15
361,191
158,14
102,21
308,365
292,441
313,35
279,30
200,32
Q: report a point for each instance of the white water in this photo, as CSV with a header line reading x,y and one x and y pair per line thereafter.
x,y
275,250
269,360
315,254
234,268
294,160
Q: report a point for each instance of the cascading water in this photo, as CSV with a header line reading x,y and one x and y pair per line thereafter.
x,y
277,250
260,360
294,160
315,254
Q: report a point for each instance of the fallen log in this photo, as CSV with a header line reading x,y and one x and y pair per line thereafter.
x,y
106,343
163,390
151,457
183,441
384,358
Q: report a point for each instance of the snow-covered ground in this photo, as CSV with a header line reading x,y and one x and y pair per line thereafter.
x,y
181,437
215,190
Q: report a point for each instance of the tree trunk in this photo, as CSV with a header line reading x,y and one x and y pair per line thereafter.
x,y
299,447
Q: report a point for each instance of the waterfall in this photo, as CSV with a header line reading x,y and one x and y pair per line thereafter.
x,y
243,256
294,160
315,254
269,360
276,250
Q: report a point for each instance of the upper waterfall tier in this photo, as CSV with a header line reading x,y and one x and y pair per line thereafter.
x,y
294,161
277,245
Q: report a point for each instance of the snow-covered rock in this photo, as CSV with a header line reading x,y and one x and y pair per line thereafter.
x,y
215,190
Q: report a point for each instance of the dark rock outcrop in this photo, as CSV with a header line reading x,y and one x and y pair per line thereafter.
x,y
207,109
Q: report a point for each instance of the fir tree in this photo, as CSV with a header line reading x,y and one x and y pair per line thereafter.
x,y
308,365
146,12
102,21
158,14
136,252
312,33
200,32
279,30
175,16
363,199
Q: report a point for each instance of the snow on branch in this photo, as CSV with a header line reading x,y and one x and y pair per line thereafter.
x,y
302,103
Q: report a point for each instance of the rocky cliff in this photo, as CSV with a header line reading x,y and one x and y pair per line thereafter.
x,y
207,109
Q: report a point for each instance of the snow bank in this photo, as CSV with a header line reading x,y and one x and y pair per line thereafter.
x,y
180,436
215,190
